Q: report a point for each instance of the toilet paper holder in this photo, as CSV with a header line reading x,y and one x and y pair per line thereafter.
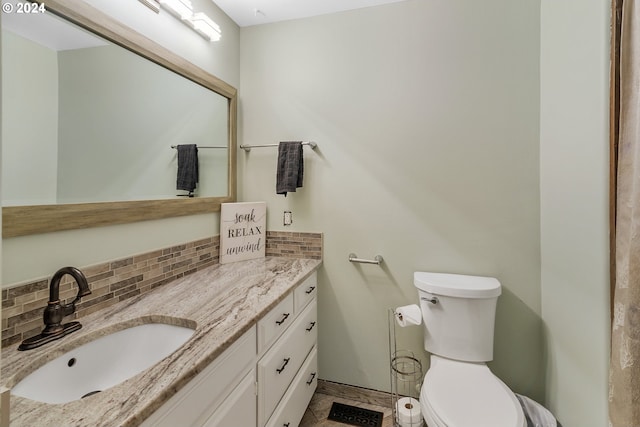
x,y
406,381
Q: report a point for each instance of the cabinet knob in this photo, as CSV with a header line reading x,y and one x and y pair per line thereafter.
x,y
312,324
284,365
308,291
284,317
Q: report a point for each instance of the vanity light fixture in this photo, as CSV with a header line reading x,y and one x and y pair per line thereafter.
x,y
180,8
183,10
205,26
151,4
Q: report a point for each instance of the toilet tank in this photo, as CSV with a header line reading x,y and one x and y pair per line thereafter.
x,y
459,322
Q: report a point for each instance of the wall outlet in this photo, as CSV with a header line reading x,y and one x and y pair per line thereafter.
x,y
287,219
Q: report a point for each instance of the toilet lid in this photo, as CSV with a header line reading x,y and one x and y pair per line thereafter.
x,y
464,394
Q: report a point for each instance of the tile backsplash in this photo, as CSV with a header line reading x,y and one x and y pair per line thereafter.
x,y
294,245
114,281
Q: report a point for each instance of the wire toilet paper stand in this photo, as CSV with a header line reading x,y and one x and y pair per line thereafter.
x,y
406,381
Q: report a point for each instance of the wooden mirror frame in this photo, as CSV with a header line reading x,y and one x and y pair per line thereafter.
x,y
26,220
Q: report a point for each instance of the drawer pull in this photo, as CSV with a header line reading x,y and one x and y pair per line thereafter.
x,y
313,375
285,424
284,317
308,291
284,365
311,327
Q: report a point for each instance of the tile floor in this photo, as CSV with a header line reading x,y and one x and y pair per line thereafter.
x,y
327,393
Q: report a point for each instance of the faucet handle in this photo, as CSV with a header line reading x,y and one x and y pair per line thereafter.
x,y
70,308
81,293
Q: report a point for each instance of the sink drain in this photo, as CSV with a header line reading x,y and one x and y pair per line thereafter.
x,y
91,393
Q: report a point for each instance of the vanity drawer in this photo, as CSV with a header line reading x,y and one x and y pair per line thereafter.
x,y
271,326
202,395
280,364
305,292
295,401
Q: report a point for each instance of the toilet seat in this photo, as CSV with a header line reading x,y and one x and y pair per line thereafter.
x,y
464,394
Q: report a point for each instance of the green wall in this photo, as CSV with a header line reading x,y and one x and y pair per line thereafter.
x,y
574,208
426,116
119,117
30,120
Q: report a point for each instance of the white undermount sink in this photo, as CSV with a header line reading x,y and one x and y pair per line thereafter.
x,y
102,363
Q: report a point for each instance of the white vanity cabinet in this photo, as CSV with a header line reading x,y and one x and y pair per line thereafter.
x,y
266,377
289,362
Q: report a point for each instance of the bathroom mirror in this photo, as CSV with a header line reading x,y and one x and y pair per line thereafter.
x,y
107,96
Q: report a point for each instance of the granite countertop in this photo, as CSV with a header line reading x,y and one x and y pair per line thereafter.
x,y
223,301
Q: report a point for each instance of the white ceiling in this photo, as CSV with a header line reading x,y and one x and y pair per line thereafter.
x,y
48,30
255,12
40,27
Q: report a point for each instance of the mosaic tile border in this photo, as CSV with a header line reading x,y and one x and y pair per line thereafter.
x,y
114,281
294,245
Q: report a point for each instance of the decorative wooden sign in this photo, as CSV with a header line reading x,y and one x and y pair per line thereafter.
x,y
242,231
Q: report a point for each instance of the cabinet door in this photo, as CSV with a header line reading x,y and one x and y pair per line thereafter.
x,y
201,396
239,409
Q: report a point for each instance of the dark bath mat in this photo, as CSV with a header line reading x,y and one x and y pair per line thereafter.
x,y
355,416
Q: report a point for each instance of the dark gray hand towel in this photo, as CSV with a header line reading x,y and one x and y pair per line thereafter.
x,y
187,167
290,167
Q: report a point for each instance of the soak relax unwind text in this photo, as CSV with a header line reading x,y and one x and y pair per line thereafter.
x,y
245,232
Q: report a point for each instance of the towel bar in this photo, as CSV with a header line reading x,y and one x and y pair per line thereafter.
x,y
248,148
377,260
205,146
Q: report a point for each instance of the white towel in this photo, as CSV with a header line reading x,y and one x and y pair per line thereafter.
x,y
536,414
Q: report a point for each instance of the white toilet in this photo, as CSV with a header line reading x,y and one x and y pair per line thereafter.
x,y
459,390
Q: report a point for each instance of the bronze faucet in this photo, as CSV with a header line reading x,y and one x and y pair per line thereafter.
x,y
55,311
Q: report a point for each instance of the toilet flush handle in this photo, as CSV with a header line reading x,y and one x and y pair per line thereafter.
x,y
432,300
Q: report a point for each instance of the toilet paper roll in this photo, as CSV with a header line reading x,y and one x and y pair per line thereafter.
x,y
408,411
408,315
